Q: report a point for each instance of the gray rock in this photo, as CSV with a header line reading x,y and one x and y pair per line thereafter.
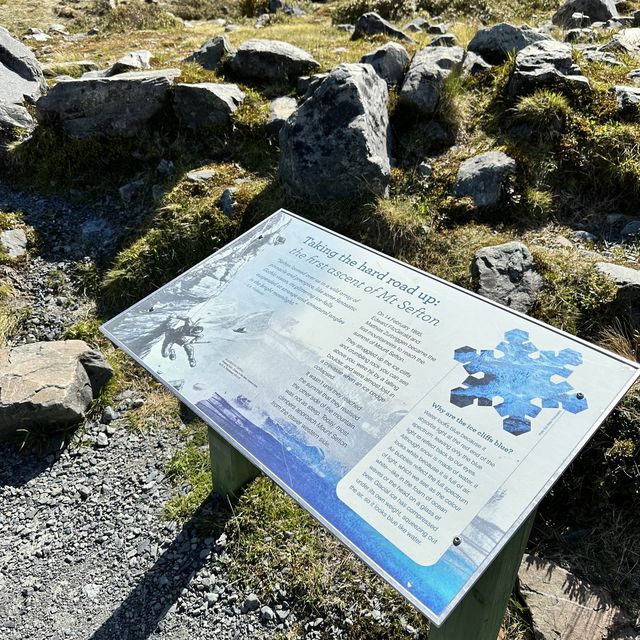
x,y
505,273
628,98
206,104
102,440
495,43
267,614
47,383
429,68
372,24
594,54
445,40
271,61
212,53
132,61
118,106
580,35
545,63
13,242
595,9
227,202
413,28
564,606
389,61
279,111
251,603
201,175
482,177
627,281
21,79
336,144
349,28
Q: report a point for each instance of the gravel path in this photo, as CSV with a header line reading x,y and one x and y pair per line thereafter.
x,y
86,551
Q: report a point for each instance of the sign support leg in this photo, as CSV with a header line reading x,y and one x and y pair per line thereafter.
x,y
231,470
480,613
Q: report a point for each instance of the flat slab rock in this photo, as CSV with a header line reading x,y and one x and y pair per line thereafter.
x,y
565,607
120,105
270,61
49,383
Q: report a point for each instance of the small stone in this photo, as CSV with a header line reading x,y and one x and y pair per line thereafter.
x,y
267,614
84,491
91,591
630,229
251,603
102,440
482,177
280,110
425,169
108,415
227,202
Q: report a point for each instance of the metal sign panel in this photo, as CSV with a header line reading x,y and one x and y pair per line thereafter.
x,y
417,421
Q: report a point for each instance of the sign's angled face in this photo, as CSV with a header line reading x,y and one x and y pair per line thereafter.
x,y
402,411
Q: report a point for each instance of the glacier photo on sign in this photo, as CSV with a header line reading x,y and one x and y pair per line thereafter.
x,y
362,388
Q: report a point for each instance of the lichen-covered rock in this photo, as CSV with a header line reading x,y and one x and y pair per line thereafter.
x,y
545,63
494,44
306,85
483,176
595,9
336,144
212,53
505,273
626,41
117,106
48,383
206,104
389,61
270,61
429,69
132,61
372,24
21,79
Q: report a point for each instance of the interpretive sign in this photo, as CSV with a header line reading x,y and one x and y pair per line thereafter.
x,y
417,421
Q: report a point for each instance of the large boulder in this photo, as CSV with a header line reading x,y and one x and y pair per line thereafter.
x,y
495,43
483,176
544,64
206,104
424,81
505,273
212,53
597,10
335,146
121,105
270,61
389,61
372,24
49,383
21,79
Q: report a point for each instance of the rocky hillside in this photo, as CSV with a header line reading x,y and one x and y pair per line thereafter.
x,y
494,144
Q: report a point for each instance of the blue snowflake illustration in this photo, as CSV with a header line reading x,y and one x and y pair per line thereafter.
x,y
519,383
